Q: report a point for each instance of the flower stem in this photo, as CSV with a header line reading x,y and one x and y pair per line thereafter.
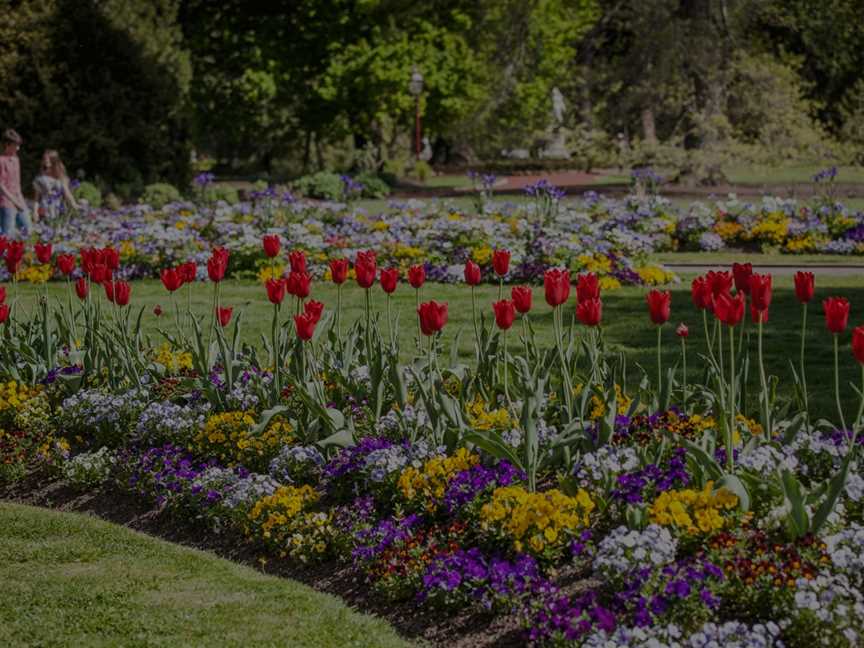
x,y
730,461
659,369
804,375
684,374
837,381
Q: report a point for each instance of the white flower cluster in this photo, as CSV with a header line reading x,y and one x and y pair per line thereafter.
x,y
295,462
731,634
598,467
624,550
766,459
163,422
834,601
235,491
380,464
89,469
95,408
402,423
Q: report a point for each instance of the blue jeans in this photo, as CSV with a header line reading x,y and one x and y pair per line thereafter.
x,y
12,218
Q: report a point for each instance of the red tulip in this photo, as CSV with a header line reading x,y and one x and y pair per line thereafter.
x,y
587,287
99,273
216,268
472,273
222,254
858,343
365,268
720,282
804,286
66,263
112,258
4,313
298,284
590,312
171,279
760,291
741,273
416,276
556,283
659,306
521,296
272,245
157,310
109,291
338,270
297,259
4,244
2,294
82,288
505,313
314,309
223,315
433,317
188,271
275,290
729,309
43,252
305,325
389,278
682,331
700,293
836,313
122,292
756,314
501,262
14,256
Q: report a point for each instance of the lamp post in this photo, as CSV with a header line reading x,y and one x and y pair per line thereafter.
x,y
415,87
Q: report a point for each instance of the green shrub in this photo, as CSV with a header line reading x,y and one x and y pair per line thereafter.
x,y
373,185
324,185
422,170
89,192
159,194
215,193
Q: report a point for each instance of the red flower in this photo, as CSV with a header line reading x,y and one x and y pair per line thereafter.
x,y
122,292
756,314
338,270
112,258
171,279
43,252
314,309
521,296
216,268
4,313
858,343
305,325
365,268
109,291
433,317
2,294
14,256
720,282
99,273
271,244
222,254
297,259
157,310
760,291
729,309
659,306
275,290
501,262
556,283
298,284
66,263
416,275
505,313
804,286
389,278
223,315
741,273
188,271
587,287
82,288
682,331
590,312
836,313
472,273
4,243
700,293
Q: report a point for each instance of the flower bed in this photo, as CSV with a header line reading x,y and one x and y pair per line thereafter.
x,y
532,482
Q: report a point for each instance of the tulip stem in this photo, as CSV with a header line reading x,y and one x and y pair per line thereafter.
x,y
804,375
709,341
837,381
719,330
730,461
506,391
474,317
557,318
659,369
368,327
277,387
338,309
762,378
390,322
431,364
861,406
684,374
417,312
525,336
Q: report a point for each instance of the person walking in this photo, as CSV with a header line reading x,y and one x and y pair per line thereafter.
x,y
13,207
53,193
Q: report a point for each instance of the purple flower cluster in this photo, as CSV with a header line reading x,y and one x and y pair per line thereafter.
x,y
632,487
350,460
348,517
164,472
826,175
468,484
543,188
557,616
371,542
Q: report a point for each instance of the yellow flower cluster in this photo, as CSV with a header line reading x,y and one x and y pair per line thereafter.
x,y
229,436
409,252
171,360
599,264
539,523
482,254
380,226
608,282
653,275
727,230
429,482
270,272
480,417
772,230
806,243
13,397
274,519
35,274
754,427
127,250
694,512
598,407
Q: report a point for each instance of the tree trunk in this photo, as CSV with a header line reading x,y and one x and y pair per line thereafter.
x,y
306,151
649,130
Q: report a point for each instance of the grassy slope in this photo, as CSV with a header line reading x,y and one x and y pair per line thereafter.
x,y
625,319
71,580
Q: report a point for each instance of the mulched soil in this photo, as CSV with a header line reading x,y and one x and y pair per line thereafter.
x,y
422,625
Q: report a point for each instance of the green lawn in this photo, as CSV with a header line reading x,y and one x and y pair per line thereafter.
x,y
72,580
708,258
791,174
625,322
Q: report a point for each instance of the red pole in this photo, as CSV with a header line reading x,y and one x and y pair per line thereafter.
x,y
417,128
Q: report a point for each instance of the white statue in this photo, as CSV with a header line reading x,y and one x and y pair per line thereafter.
x,y
558,106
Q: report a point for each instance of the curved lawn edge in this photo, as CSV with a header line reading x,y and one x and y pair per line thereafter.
x,y
68,579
